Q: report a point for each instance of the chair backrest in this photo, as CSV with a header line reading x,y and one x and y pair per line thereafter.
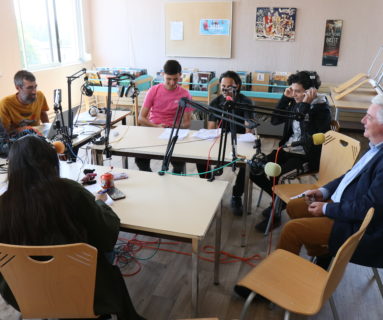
x,y
51,281
339,153
343,256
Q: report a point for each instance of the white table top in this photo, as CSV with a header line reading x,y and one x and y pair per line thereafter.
x,y
145,140
168,205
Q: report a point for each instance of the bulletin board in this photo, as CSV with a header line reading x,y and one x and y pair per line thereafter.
x,y
188,17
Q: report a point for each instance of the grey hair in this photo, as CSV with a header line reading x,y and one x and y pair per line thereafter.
x,y
22,75
379,101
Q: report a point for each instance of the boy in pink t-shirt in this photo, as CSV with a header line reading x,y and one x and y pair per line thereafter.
x,y
160,107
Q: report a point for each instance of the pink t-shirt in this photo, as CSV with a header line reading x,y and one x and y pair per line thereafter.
x,y
163,103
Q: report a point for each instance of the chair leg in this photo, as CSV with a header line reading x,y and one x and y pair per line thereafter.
x,y
277,211
378,280
247,305
333,308
259,198
287,315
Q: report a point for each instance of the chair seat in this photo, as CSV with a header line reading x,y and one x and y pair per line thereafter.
x,y
286,191
289,281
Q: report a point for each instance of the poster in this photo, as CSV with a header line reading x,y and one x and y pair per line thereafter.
x,y
274,23
332,42
215,27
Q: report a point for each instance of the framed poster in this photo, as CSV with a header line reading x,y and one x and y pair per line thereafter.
x,y
274,23
332,42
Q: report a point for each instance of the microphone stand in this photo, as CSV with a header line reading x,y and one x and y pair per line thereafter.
x,y
227,114
70,79
108,124
228,117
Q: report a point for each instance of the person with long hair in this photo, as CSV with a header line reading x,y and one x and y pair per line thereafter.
x,y
230,86
40,208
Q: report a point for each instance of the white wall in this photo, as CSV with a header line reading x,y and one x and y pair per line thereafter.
x,y
10,63
131,33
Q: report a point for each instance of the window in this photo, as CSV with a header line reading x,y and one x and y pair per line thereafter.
x,y
50,32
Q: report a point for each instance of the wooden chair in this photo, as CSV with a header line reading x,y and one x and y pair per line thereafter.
x,y
339,153
296,284
51,281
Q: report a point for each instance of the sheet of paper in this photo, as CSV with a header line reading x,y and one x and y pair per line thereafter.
x,y
207,133
182,134
247,137
176,30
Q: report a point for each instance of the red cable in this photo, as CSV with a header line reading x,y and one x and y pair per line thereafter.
x,y
139,245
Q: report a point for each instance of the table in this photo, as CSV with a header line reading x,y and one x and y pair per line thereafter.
x,y
356,101
134,141
170,198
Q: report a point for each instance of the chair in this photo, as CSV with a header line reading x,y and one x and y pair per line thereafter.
x,y
296,284
335,126
339,153
51,281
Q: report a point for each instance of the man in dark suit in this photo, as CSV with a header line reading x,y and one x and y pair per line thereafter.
x,y
327,216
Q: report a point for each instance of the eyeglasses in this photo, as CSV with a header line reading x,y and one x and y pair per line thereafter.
x,y
30,88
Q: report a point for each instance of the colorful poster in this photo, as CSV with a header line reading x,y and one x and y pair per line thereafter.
x,y
275,24
215,27
332,42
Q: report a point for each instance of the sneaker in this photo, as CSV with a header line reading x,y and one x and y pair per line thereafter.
x,y
261,227
323,261
244,292
266,212
236,204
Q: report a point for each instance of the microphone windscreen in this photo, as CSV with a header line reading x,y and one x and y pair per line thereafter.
x,y
59,146
318,138
273,169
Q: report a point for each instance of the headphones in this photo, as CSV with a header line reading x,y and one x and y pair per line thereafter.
x,y
94,111
86,89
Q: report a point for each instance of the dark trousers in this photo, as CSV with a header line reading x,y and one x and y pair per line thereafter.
x,y
287,160
239,185
143,164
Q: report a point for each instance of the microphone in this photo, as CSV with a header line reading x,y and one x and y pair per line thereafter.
x,y
59,146
273,169
317,139
57,97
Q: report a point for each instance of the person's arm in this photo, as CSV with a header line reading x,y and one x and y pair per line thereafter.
x,y
44,117
143,119
354,209
212,125
283,104
186,120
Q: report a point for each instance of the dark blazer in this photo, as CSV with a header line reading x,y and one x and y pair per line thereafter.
x,y
364,192
318,118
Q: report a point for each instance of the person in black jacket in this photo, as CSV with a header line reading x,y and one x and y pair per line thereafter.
x,y
301,96
230,84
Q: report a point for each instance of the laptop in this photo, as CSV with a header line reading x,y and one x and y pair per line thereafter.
x,y
52,130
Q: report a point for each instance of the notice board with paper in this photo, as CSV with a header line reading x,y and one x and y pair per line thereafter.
x,y
198,29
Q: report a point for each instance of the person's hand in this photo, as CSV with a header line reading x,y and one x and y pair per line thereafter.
x,y
315,209
313,195
310,95
101,195
288,92
162,125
